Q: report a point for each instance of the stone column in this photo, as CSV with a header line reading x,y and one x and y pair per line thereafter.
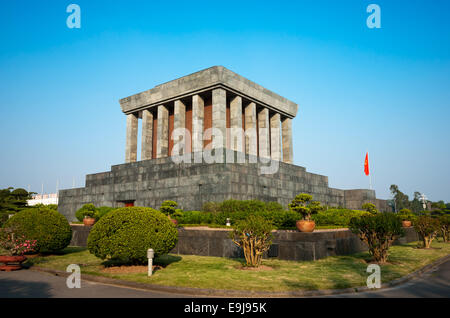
x,y
131,142
147,135
198,106
236,142
251,146
275,137
263,133
162,142
286,132
219,119
179,122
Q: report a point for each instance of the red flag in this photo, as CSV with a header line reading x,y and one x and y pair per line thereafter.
x,y
366,164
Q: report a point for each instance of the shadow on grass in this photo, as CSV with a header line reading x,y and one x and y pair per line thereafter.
x,y
35,259
163,261
67,250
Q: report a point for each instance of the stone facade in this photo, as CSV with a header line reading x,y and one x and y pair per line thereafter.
x,y
287,245
150,182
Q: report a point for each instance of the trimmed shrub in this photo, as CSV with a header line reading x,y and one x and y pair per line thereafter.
x,y
427,228
4,215
244,206
212,207
86,210
53,207
168,207
444,221
125,234
102,211
254,236
378,231
370,207
273,206
406,215
238,210
195,217
48,227
339,217
304,206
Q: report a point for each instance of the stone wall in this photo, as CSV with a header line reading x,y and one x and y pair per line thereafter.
x,y
150,182
287,245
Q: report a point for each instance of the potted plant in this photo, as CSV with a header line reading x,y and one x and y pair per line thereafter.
x,y
303,205
88,220
169,208
13,247
87,214
406,216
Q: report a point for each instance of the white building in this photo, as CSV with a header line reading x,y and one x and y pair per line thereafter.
x,y
45,199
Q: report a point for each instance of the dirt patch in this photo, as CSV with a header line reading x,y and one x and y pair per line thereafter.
x,y
371,261
129,269
256,269
420,247
32,255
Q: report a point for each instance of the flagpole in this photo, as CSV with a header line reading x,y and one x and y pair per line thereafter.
x,y
370,172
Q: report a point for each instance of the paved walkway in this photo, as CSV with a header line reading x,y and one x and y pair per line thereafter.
x,y
435,283
26,283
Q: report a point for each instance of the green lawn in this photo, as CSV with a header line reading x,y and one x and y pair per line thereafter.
x,y
223,273
318,227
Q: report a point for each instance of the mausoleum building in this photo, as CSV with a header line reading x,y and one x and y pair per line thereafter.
x,y
209,136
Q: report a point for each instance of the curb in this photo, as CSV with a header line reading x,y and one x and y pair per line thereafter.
x,y
188,291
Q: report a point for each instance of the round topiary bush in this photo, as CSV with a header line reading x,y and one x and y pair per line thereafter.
x,y
126,234
86,210
48,227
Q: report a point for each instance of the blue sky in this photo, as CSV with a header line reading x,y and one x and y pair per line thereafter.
x,y
382,90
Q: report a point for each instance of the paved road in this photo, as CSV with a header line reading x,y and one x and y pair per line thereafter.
x,y
26,283
435,283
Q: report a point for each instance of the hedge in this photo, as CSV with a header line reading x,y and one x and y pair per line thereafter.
x,y
125,234
48,227
339,217
236,211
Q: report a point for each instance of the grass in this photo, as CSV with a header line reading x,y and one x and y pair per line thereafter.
x,y
223,273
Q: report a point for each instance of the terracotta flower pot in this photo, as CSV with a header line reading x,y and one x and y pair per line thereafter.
x,y
175,222
11,263
305,226
406,223
88,221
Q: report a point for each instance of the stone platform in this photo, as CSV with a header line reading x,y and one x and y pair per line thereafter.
x,y
287,245
148,183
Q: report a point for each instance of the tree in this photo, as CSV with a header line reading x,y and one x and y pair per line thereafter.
x,y
444,221
378,231
12,201
169,208
303,204
427,228
370,207
401,200
254,236
416,204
